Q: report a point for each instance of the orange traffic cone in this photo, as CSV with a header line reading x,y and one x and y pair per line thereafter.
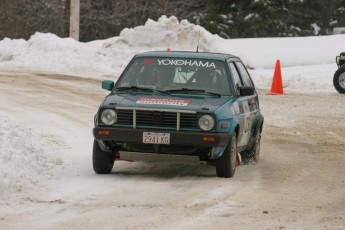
x,y
277,84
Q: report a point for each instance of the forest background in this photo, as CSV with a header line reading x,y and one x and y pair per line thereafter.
x,y
102,19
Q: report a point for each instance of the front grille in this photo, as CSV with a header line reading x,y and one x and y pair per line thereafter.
x,y
188,120
125,117
164,119
154,118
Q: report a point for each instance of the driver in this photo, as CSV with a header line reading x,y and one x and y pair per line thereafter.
x,y
163,76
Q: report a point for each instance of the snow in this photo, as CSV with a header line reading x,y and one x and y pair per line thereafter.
x,y
29,155
310,57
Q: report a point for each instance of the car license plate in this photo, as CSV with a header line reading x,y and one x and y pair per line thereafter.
x,y
156,138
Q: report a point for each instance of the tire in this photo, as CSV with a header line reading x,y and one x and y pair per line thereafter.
x,y
226,164
339,80
252,156
103,162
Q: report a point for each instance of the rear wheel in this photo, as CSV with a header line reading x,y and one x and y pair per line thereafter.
x,y
339,80
226,164
252,156
103,162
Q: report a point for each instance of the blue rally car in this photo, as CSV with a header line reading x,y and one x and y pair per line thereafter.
x,y
179,107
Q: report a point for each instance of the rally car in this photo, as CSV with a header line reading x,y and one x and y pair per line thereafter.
x,y
179,107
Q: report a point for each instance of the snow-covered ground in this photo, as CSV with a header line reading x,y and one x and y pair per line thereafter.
x,y
308,63
40,148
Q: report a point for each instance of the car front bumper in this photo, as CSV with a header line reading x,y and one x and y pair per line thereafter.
x,y
176,137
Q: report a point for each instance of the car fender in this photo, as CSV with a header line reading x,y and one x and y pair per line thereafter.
x,y
232,127
256,128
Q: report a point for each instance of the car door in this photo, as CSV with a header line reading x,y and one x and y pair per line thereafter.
x,y
248,105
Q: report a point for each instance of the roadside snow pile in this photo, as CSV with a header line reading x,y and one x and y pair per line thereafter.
x,y
156,35
9,48
24,164
292,51
308,63
50,53
169,32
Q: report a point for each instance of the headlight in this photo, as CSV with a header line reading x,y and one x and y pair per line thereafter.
x,y
206,122
108,116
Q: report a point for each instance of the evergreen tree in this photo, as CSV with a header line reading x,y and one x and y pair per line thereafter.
x,y
338,15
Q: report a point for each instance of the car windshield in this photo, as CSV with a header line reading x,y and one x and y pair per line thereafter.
x,y
176,75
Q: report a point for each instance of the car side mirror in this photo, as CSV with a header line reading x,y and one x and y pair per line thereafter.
x,y
246,90
108,85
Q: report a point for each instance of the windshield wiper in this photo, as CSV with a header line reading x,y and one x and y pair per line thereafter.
x,y
133,87
139,88
189,91
214,94
186,90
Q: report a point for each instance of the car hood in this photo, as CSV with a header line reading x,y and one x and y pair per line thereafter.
x,y
162,101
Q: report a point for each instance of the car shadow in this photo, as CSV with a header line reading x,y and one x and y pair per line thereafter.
x,y
163,170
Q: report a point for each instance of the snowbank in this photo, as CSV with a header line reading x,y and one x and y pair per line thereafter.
x,y
24,161
308,62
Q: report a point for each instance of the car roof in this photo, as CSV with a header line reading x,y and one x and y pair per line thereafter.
x,y
187,54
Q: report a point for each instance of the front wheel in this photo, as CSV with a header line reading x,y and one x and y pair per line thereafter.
x,y
339,80
103,162
226,164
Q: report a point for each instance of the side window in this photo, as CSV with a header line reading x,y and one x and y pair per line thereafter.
x,y
247,81
235,75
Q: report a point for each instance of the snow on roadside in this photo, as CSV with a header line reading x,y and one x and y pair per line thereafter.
x,y
169,32
156,35
304,79
291,51
308,63
23,159
49,53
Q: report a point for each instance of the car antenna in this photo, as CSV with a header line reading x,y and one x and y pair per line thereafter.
x,y
197,47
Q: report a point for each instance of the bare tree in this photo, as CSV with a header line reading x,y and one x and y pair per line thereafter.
x,y
106,18
66,17
22,18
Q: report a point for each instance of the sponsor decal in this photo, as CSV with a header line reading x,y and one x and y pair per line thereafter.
x,y
253,102
148,61
237,108
182,62
246,123
245,107
162,101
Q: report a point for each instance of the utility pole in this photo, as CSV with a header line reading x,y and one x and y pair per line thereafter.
x,y
74,19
